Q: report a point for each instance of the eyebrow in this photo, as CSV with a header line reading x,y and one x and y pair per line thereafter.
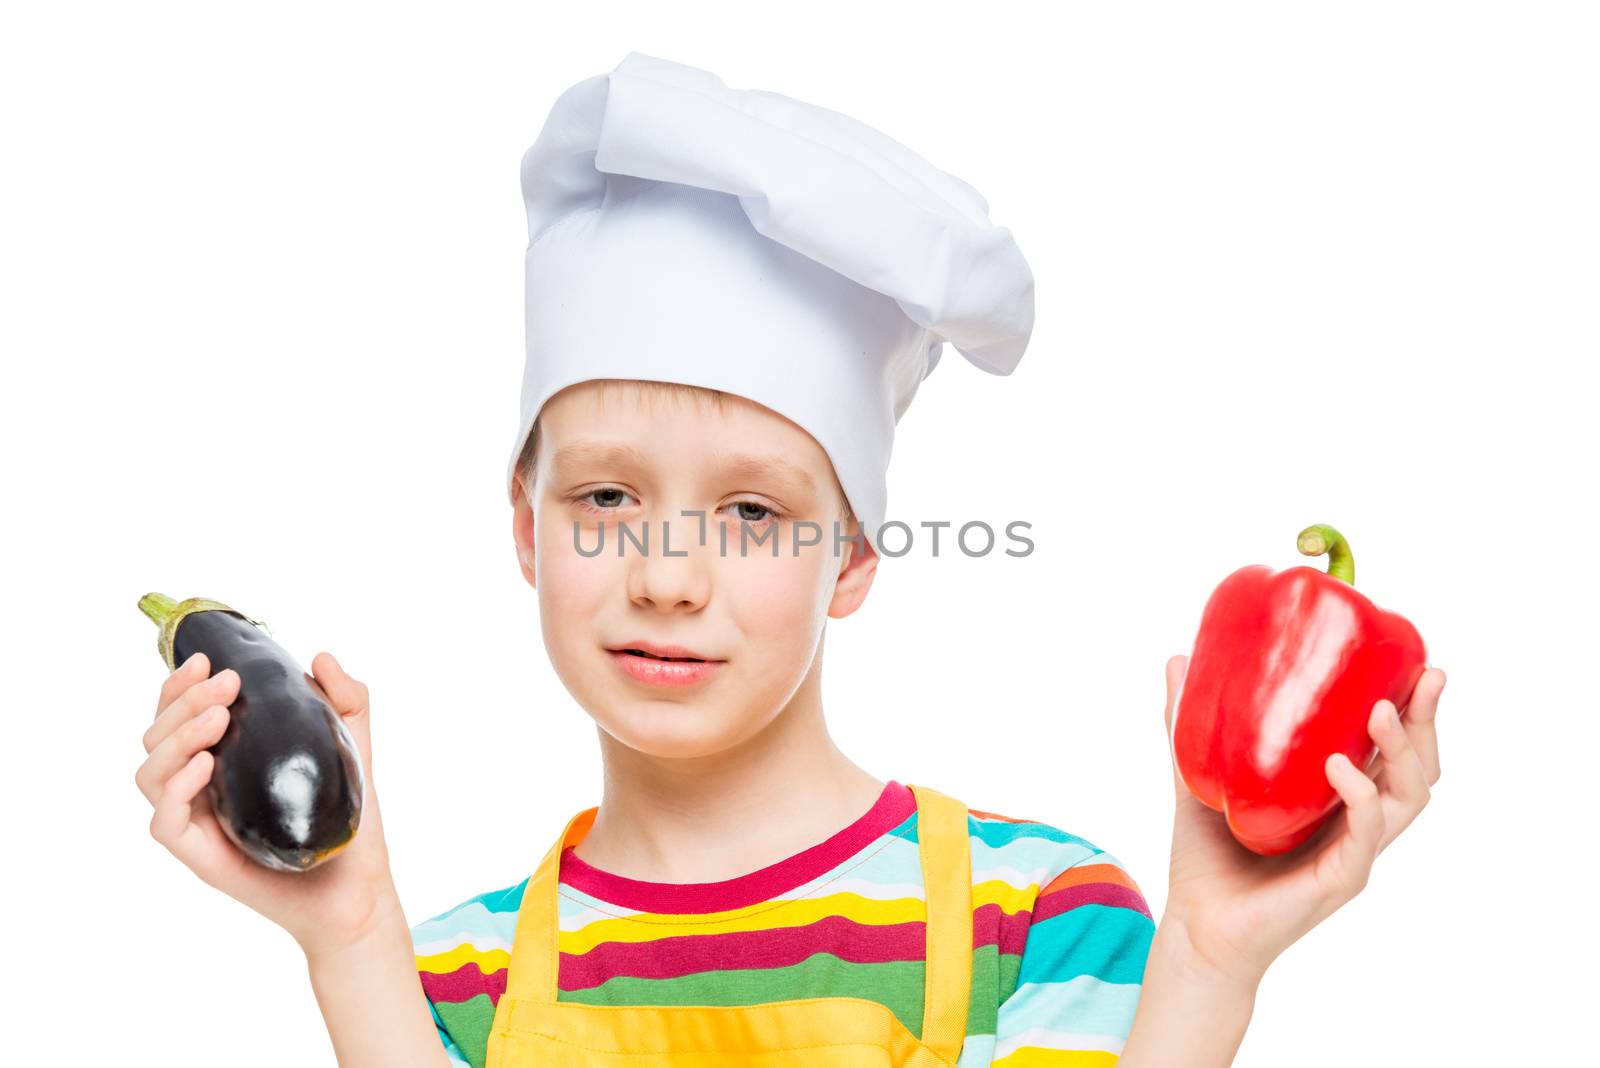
x,y
741,465
592,452
766,467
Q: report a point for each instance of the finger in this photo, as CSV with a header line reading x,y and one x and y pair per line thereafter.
x,y
176,750
1177,671
1421,711
1402,784
219,689
171,824
1347,860
185,675
349,697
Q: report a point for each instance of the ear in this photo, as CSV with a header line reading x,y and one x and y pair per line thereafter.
x,y
858,563
522,530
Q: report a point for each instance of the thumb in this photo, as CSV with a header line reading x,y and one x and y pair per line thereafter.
x,y
1177,670
349,698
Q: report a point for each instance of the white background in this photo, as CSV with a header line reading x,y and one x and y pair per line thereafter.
x,y
1295,263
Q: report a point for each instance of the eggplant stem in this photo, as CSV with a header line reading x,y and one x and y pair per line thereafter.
x,y
168,613
1320,538
158,606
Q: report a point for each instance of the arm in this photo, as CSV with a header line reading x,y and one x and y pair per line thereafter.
x,y
1187,1015
372,1001
344,914
1230,913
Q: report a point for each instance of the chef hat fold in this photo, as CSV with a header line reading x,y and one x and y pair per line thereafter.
x,y
740,240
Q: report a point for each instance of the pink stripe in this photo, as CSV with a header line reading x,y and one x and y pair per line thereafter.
x,y
463,984
669,958
893,806
673,956
1058,901
1006,931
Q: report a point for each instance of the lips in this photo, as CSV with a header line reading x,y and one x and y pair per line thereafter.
x,y
665,666
656,651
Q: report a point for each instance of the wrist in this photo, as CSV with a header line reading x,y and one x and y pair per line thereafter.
x,y
1190,1012
378,930
372,978
1175,957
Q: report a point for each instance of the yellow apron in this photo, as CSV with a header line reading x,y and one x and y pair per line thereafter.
x,y
533,1030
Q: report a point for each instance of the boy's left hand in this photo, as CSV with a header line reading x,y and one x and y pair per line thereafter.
x,y
1237,911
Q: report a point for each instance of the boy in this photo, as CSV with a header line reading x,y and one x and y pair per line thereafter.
x,y
732,298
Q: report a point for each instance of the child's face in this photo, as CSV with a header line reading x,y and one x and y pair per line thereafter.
x,y
760,614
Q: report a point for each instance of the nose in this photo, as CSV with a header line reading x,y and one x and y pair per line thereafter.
x,y
668,571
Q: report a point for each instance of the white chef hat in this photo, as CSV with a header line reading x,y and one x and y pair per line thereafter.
x,y
739,240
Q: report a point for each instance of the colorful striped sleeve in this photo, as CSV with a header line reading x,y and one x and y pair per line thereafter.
x,y
453,1051
461,957
1081,969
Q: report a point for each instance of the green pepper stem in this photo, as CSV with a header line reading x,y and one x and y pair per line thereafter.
x,y
158,606
1320,538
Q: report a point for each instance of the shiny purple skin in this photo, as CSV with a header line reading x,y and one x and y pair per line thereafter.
x,y
287,782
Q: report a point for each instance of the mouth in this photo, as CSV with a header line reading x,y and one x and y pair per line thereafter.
x,y
669,666
667,654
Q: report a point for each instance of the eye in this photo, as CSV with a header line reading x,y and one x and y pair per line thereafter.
x,y
608,494
742,510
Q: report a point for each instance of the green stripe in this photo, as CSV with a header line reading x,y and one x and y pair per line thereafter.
x,y
469,1023
895,984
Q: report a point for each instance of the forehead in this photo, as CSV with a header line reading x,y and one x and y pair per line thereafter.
x,y
574,456
621,424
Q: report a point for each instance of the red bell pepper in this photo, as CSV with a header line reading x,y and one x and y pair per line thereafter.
x,y
1285,670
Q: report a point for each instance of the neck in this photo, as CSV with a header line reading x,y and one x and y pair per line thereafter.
x,y
711,818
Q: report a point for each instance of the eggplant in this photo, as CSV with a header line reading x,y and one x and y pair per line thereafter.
x,y
287,782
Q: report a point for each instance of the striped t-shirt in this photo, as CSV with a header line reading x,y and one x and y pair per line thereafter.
x,y
1060,936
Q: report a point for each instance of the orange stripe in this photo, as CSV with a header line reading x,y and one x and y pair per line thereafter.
x,y
1090,873
996,817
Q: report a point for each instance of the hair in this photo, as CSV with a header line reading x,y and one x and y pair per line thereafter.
x,y
674,391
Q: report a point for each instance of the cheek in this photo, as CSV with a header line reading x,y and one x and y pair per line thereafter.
x,y
779,605
571,587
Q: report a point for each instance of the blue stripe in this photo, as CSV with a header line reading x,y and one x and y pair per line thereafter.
x,y
1084,1005
998,834
508,899
1108,942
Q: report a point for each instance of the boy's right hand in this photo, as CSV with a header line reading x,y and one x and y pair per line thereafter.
x,y
327,909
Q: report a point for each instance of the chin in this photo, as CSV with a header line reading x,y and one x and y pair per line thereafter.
x,y
674,731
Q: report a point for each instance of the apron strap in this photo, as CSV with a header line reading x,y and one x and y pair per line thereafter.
x,y
947,880
944,847
535,951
